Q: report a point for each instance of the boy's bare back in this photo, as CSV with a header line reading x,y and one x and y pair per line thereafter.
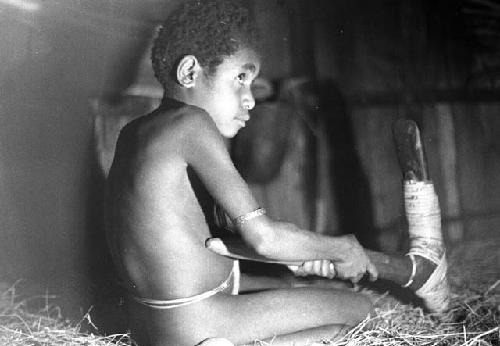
x,y
156,226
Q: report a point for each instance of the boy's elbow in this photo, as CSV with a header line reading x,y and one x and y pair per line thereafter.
x,y
265,247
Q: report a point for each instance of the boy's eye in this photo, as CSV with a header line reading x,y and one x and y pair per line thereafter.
x,y
242,77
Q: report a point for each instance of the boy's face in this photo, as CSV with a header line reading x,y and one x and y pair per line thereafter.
x,y
226,95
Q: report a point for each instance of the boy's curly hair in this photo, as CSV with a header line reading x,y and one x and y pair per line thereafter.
x,y
207,29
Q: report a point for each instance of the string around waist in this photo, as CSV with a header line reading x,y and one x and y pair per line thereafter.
x,y
175,303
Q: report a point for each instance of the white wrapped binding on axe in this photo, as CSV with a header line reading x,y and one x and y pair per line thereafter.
x,y
426,240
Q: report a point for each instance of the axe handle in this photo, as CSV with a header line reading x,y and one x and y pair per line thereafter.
x,y
390,267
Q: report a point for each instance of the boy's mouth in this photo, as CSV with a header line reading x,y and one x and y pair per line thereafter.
x,y
242,119
241,122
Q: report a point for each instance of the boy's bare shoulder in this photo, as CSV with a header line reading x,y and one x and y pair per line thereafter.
x,y
195,132
194,119
184,134
170,124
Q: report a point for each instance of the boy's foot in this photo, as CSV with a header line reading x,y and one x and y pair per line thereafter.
x,y
215,342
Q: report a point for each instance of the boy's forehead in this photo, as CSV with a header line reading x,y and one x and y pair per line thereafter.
x,y
252,67
245,59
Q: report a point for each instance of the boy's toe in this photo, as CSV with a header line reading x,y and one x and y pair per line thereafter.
x,y
215,342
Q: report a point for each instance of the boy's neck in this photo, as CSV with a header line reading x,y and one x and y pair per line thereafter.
x,y
170,98
177,94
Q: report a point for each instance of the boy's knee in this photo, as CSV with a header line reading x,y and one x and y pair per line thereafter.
x,y
365,307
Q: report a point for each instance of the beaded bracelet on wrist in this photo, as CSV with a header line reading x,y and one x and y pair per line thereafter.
x,y
240,220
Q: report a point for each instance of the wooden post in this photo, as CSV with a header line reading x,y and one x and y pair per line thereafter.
x,y
450,198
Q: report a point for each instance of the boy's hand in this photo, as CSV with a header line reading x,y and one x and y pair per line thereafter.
x,y
355,263
324,268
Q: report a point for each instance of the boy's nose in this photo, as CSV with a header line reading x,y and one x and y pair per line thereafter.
x,y
248,101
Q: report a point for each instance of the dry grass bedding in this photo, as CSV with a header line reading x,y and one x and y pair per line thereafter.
x,y
22,325
472,320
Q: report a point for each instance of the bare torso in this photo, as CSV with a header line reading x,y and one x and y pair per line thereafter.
x,y
156,226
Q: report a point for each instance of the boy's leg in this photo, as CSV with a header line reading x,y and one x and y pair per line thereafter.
x,y
287,316
297,316
306,337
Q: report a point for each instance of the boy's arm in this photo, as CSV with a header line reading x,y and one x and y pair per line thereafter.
x,y
205,151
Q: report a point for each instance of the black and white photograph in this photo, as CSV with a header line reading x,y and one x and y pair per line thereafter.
x,y
249,172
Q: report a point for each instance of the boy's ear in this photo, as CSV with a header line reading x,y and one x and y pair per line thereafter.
x,y
187,71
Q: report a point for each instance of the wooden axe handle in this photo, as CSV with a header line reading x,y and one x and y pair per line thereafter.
x,y
394,268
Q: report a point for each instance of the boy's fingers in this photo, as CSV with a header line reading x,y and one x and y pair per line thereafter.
x,y
356,279
293,268
325,270
308,266
372,270
317,267
332,272
296,270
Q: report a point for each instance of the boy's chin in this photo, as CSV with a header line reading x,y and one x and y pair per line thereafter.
x,y
229,133
229,136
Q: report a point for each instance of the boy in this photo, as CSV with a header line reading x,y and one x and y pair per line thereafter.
x,y
206,58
